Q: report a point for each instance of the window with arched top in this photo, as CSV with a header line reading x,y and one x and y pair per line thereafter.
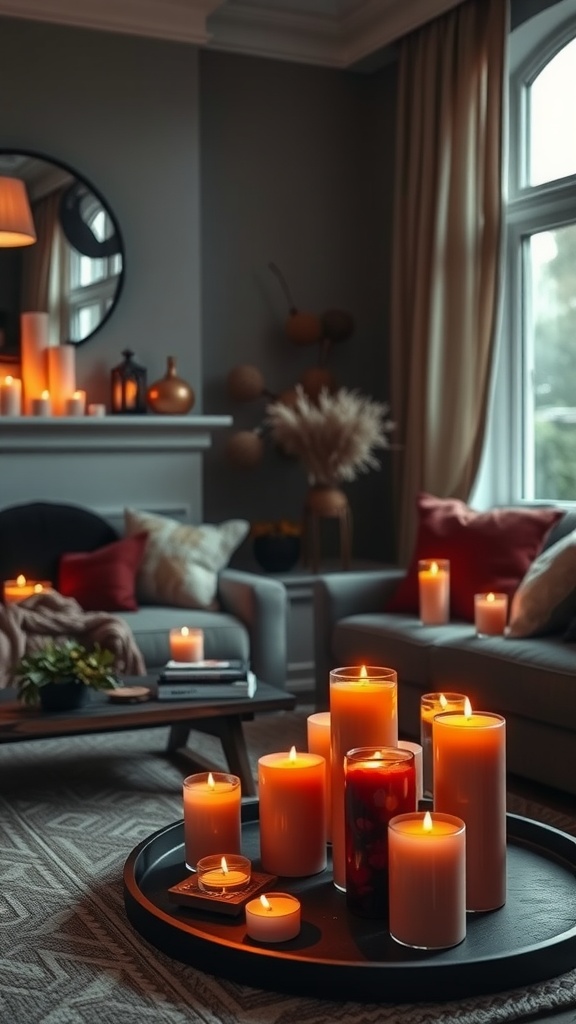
x,y
531,446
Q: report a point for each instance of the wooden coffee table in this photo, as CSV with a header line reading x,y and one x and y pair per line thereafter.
x,y
220,718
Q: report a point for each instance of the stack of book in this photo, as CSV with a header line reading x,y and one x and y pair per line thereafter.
x,y
206,680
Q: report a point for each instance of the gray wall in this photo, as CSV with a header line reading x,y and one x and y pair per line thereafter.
x,y
296,167
286,162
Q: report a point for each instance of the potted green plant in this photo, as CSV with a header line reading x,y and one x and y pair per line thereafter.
x,y
59,676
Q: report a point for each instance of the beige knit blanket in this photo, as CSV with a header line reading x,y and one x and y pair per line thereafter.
x,y
28,625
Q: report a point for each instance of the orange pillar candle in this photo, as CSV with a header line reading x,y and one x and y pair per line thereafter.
x,y
61,375
33,347
318,737
274,917
292,794
434,591
469,753
211,815
363,713
432,704
427,873
21,588
187,644
416,749
490,614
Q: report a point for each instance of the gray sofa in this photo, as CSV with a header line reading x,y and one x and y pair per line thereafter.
x,y
250,622
531,681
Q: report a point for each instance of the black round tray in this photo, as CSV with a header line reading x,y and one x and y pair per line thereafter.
x,y
340,956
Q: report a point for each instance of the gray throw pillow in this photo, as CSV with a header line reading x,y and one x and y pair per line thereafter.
x,y
545,601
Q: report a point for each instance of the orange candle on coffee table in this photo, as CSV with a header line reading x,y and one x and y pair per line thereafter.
x,y
211,815
469,753
292,792
363,713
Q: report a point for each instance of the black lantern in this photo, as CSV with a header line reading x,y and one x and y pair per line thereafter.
x,y
129,386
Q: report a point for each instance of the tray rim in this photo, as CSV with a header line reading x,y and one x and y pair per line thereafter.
x,y
555,845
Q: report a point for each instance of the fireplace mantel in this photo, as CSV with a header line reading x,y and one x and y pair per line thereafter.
x,y
109,462
108,433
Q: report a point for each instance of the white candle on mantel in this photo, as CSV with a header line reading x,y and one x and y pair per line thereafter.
x,y
274,917
187,644
96,409
11,396
76,404
41,406
61,375
490,614
33,347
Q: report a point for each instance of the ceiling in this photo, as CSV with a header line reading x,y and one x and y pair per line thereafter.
x,y
333,33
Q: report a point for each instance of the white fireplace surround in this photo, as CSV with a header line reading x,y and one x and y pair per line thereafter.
x,y
149,462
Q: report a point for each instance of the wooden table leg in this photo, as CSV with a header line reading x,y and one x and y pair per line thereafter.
x,y
228,729
178,736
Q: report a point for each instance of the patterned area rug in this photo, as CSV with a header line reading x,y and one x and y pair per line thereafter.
x,y
71,811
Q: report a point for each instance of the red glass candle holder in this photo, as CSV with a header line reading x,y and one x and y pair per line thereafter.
x,y
379,783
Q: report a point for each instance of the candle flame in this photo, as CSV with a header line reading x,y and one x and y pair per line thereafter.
x,y
184,631
434,568
45,394
467,708
490,598
210,780
38,588
427,822
442,701
224,866
265,903
363,673
9,380
21,581
292,755
77,394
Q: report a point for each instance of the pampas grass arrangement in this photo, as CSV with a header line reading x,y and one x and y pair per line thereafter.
x,y
334,437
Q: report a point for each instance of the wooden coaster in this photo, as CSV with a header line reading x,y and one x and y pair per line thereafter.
x,y
130,694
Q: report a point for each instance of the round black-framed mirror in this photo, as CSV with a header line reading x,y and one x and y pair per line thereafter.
x,y
75,269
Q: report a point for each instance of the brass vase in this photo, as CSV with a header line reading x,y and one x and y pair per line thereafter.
x,y
171,395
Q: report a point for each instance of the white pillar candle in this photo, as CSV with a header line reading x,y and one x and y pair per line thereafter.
x,y
427,879
292,796
61,375
417,751
10,396
211,815
490,614
274,917
469,753
75,405
318,738
363,713
96,409
33,347
187,644
41,406
431,704
434,591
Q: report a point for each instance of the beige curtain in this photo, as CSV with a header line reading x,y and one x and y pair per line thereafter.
x,y
446,250
46,269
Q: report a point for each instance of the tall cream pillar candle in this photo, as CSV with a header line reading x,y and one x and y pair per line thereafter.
x,y
363,713
469,752
61,376
318,737
33,348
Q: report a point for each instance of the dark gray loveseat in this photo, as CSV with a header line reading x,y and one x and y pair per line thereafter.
x,y
531,681
250,622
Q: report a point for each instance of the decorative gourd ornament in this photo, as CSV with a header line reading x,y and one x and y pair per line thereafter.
x,y
315,379
301,328
245,449
171,395
245,383
337,324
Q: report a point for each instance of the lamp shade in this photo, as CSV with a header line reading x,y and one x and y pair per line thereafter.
x,y
16,223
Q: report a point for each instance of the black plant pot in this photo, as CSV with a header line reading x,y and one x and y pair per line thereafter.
x,y
276,554
65,696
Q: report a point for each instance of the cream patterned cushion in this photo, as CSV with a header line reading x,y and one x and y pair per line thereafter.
x,y
545,601
181,562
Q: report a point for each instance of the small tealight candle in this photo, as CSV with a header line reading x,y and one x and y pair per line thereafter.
x,y
187,644
229,873
41,406
21,588
274,917
434,591
212,816
11,397
490,614
427,871
75,405
96,409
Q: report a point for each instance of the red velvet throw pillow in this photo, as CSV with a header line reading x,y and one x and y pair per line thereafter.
x,y
488,551
103,580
